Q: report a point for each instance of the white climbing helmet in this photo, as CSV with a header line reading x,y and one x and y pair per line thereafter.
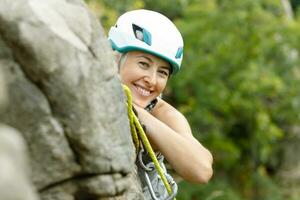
x,y
148,31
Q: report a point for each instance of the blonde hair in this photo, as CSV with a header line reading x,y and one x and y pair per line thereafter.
x,y
122,59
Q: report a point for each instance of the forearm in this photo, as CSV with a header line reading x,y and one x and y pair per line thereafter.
x,y
185,154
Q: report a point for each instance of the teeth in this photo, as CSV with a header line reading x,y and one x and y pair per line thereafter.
x,y
143,91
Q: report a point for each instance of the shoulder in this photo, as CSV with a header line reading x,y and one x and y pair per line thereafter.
x,y
163,108
170,116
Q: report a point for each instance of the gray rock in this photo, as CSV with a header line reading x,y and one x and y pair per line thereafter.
x,y
2,90
65,97
14,179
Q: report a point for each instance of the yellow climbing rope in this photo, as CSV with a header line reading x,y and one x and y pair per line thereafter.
x,y
137,133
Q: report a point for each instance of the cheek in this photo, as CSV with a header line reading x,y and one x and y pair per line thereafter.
x,y
130,74
162,85
125,79
125,75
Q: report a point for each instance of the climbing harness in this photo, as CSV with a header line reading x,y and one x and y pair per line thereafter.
x,y
147,172
142,145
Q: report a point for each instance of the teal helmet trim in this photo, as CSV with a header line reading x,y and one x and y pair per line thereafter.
x,y
174,65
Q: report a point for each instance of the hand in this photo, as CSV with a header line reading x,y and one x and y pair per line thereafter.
x,y
140,112
136,109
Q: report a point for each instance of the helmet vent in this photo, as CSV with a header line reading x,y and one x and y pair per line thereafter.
x,y
179,52
142,34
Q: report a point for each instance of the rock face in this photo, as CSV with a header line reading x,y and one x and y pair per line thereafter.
x,y
14,180
64,96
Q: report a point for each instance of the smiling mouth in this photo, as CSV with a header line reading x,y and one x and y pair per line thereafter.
x,y
142,91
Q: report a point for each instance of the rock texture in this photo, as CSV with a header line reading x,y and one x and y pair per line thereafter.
x,y
14,179
64,96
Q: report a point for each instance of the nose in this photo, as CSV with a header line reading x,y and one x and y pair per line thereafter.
x,y
151,78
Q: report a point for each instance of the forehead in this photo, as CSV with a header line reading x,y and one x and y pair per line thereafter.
x,y
150,57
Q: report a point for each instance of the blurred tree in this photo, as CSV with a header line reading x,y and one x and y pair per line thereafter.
x,y
236,87
239,88
109,10
287,9
295,5
172,9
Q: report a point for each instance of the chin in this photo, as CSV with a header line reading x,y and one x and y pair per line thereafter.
x,y
142,104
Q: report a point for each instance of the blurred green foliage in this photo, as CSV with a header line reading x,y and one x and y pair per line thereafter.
x,y
239,87
295,5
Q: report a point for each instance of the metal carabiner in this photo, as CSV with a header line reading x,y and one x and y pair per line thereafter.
x,y
171,182
140,157
174,187
148,169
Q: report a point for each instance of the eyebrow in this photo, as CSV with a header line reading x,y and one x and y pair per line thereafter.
x,y
166,68
149,59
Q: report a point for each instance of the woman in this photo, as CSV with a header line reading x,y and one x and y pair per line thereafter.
x,y
152,51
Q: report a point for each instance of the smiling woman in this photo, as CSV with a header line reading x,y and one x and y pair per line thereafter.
x,y
152,51
146,76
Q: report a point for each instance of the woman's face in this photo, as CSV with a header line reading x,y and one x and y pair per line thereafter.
x,y
146,76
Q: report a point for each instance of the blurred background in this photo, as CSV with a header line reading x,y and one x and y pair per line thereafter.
x,y
239,87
